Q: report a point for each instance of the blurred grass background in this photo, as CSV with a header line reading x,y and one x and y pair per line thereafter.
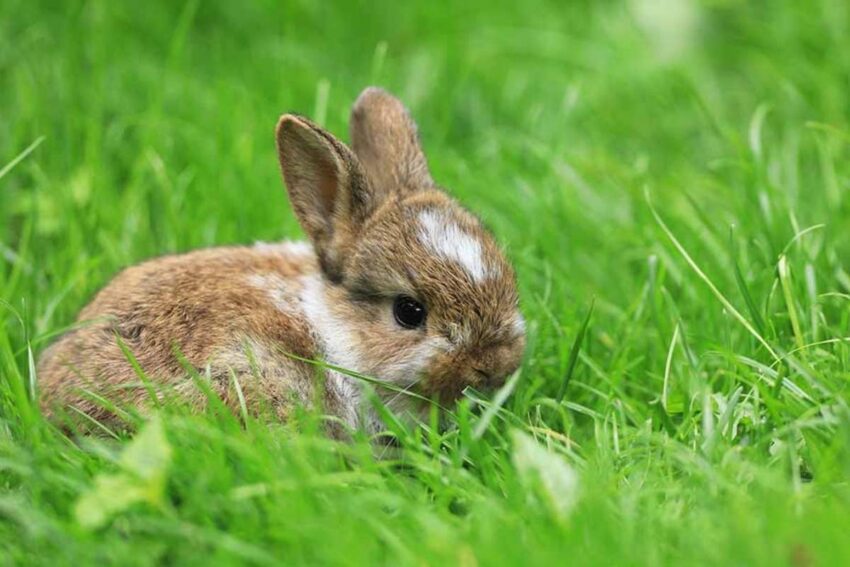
x,y
706,418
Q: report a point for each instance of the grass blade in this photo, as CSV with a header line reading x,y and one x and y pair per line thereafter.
x,y
742,286
788,295
695,267
571,364
21,157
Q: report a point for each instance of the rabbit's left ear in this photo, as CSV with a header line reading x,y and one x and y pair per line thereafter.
x,y
385,139
329,192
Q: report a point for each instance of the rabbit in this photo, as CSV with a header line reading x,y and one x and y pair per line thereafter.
x,y
398,282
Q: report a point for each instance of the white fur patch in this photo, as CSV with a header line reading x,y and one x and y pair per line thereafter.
x,y
407,369
338,343
289,248
407,373
341,347
282,294
450,241
519,324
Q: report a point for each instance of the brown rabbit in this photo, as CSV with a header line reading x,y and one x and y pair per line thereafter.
x,y
400,283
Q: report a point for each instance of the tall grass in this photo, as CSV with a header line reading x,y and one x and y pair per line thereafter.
x,y
680,169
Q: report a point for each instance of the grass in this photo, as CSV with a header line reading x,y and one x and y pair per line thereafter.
x,y
682,167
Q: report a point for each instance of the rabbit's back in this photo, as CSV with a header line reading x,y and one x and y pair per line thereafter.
x,y
231,313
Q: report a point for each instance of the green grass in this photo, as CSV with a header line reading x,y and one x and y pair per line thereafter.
x,y
685,165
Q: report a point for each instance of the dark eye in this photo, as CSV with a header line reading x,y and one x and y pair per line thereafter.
x,y
408,312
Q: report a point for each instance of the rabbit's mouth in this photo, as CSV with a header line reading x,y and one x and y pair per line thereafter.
x,y
483,369
446,391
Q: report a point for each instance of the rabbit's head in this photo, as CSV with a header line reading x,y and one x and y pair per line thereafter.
x,y
414,290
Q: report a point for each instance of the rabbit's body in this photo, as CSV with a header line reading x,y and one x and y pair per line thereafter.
x,y
399,283
234,314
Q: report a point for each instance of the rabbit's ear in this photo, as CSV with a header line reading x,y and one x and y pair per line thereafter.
x,y
326,184
384,138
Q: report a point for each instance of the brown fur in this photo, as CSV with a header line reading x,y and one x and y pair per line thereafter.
x,y
385,139
234,312
198,303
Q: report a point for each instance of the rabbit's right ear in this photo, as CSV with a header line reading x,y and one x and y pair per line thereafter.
x,y
385,139
327,188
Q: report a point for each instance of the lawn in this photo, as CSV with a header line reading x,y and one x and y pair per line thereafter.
x,y
671,179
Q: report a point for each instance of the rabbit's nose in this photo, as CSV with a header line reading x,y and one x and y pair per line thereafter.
x,y
489,378
483,375
489,367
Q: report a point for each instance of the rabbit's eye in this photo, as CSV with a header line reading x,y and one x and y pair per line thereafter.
x,y
408,312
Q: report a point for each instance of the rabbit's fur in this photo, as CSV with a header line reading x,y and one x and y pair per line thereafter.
x,y
379,228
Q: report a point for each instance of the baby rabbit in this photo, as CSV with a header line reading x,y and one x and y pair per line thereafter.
x,y
399,283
